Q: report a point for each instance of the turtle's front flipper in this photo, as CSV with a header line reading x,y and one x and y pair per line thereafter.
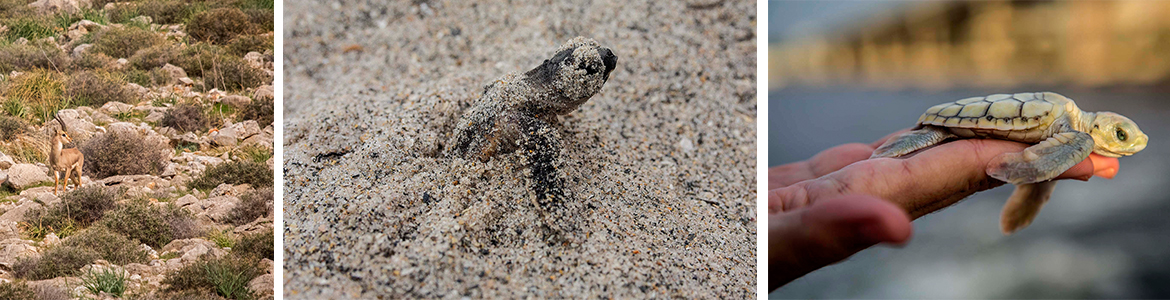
x,y
912,141
1043,161
1024,204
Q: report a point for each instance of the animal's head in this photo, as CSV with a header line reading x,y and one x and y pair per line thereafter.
x,y
1116,136
62,133
63,136
578,70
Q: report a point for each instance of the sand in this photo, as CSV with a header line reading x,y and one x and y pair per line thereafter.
x,y
659,167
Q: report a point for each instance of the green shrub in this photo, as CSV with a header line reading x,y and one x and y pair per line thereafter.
x,y
222,238
79,208
253,205
16,290
117,153
219,25
122,12
31,27
243,44
236,172
88,88
92,61
54,262
39,92
140,220
234,74
15,57
154,77
227,276
259,245
124,42
167,11
262,19
186,118
196,58
110,246
108,280
182,222
10,127
154,57
260,110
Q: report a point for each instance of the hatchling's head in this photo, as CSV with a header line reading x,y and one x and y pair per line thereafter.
x,y
1116,136
578,70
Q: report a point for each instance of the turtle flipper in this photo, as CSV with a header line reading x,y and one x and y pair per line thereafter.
x,y
1043,161
912,141
1024,204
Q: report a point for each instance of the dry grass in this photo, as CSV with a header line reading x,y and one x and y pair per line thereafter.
x,y
116,153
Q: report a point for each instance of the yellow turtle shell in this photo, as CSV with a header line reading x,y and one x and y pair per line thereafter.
x,y
1023,117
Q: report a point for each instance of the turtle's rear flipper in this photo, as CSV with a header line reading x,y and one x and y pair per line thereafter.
x,y
1024,204
912,141
1043,161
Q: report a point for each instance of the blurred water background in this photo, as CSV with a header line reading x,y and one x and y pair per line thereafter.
x,y
842,72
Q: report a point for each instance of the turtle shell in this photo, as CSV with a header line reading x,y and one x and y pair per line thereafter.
x,y
1000,112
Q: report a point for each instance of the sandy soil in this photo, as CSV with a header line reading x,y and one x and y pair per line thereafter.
x,y
659,165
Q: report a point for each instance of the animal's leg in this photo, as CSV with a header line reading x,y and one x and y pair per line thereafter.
x,y
65,187
1024,204
77,174
1043,161
56,175
541,144
912,141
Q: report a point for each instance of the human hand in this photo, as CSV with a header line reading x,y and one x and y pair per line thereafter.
x,y
839,202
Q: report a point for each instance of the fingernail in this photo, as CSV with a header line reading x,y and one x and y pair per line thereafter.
x,y
1107,173
1084,178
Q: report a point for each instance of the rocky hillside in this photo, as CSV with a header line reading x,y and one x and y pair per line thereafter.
x,y
171,103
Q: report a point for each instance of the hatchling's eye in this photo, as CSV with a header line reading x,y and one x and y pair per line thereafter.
x,y
1121,136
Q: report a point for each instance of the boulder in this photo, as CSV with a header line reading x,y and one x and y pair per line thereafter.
x,y
225,137
138,90
236,101
246,129
175,72
13,248
142,20
67,7
260,140
263,285
190,250
264,93
79,128
114,107
5,162
80,50
155,117
255,59
21,176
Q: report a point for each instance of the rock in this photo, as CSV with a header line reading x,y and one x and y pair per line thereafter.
x,y
3,177
13,248
121,63
5,162
80,50
138,90
223,189
21,176
67,7
101,266
51,239
81,28
225,137
246,129
20,41
186,81
686,145
236,101
100,117
264,93
216,209
255,59
191,249
258,225
135,181
262,285
155,117
260,140
170,170
175,72
114,107
142,20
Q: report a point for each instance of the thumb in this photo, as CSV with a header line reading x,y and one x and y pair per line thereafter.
x,y
829,231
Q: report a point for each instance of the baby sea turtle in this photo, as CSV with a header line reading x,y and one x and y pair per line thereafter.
x,y
1063,135
516,111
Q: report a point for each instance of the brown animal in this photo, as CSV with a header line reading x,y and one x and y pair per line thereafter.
x,y
64,160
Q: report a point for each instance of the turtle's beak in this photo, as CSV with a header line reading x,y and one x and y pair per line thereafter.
x,y
610,61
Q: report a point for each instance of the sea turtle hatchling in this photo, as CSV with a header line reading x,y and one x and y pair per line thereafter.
x,y
1063,135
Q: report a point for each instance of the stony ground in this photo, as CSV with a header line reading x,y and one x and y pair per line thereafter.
x,y
660,165
26,185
